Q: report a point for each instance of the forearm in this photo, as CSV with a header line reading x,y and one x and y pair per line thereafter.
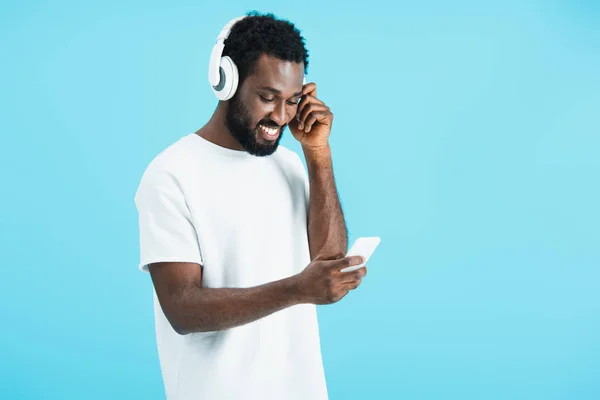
x,y
327,230
213,309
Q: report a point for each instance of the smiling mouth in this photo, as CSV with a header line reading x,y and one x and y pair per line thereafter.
x,y
269,133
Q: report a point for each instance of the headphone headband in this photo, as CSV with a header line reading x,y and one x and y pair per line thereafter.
x,y
227,29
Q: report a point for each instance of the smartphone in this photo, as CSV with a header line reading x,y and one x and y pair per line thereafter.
x,y
363,246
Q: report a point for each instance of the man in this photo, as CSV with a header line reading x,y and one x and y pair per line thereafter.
x,y
240,243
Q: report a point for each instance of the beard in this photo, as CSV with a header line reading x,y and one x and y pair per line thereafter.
x,y
239,123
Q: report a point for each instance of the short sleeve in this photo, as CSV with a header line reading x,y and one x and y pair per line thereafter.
x,y
166,229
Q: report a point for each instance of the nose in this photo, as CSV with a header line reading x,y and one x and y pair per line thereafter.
x,y
279,115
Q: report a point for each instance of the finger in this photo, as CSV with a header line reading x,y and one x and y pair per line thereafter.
x,y
354,275
317,116
350,277
344,291
346,262
310,89
304,101
311,108
353,285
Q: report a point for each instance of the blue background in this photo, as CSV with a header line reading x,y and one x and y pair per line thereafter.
x,y
466,136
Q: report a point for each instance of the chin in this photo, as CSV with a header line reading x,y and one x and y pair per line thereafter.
x,y
260,148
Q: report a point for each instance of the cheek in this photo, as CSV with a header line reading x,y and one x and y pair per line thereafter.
x,y
258,112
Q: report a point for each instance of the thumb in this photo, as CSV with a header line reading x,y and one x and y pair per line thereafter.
x,y
351,260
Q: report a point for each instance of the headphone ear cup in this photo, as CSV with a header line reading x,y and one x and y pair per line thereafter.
x,y
228,81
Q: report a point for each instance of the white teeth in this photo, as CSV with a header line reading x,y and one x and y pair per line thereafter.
x,y
269,131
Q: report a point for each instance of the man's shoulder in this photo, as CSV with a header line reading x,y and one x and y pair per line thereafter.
x,y
167,165
288,156
170,158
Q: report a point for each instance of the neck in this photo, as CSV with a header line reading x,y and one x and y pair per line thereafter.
x,y
215,130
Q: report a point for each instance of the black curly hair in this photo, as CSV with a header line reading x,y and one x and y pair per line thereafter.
x,y
263,33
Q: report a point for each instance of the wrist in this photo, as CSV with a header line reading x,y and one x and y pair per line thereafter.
x,y
295,290
317,158
321,152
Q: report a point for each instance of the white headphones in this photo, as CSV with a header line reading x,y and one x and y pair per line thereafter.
x,y
222,72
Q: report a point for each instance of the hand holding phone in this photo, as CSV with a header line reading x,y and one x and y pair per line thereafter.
x,y
363,246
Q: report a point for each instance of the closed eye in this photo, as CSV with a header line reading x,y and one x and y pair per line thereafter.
x,y
265,99
268,100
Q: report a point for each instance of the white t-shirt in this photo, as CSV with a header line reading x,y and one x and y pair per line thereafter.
x,y
244,219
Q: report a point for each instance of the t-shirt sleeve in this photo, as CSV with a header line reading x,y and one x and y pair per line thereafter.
x,y
166,229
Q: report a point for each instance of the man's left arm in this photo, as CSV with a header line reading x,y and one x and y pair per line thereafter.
x,y
327,232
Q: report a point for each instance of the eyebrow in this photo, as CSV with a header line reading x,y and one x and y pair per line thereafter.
x,y
275,91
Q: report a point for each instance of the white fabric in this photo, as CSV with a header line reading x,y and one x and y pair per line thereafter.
x,y
243,218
